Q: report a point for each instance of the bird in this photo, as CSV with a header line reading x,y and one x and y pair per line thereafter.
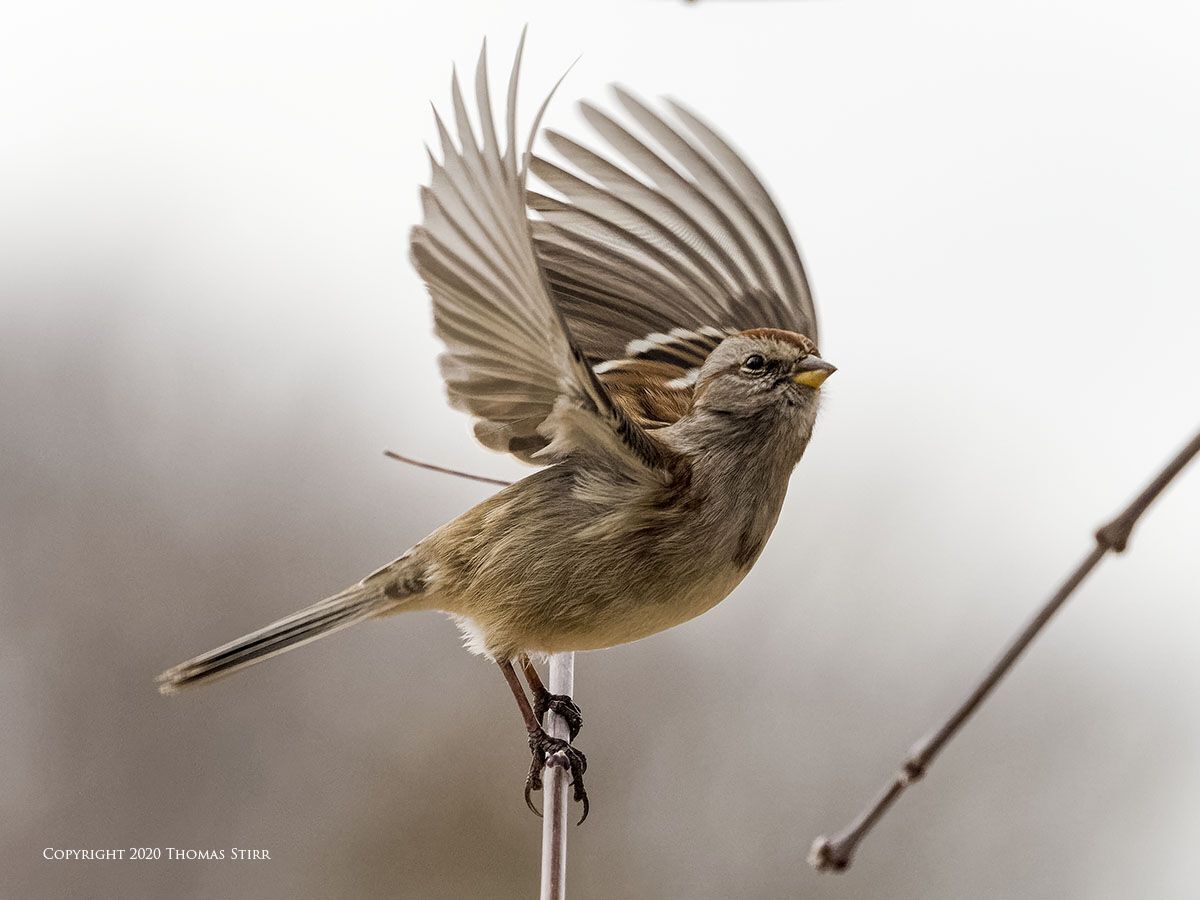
x,y
641,330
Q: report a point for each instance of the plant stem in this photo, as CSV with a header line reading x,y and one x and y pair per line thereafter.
x,y
554,791
836,853
391,454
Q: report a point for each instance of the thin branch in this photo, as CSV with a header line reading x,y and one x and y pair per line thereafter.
x,y
391,454
555,781
836,853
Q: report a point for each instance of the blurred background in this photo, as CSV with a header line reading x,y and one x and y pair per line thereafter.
x,y
209,332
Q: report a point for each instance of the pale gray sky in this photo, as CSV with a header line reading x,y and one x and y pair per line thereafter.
x,y
210,331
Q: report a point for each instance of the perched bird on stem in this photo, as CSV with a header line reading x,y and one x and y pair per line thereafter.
x,y
648,336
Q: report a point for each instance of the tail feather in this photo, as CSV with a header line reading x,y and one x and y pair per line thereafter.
x,y
370,597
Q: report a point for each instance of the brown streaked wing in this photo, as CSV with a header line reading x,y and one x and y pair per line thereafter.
x,y
655,255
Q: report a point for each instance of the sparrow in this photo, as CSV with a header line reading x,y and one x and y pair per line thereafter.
x,y
643,331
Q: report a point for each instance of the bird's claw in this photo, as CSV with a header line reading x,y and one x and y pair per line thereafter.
x,y
545,749
561,705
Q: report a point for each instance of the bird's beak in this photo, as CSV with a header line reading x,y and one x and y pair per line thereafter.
x,y
812,372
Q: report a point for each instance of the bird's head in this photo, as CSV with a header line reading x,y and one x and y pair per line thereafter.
x,y
761,371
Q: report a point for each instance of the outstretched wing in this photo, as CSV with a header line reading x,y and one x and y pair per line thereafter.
x,y
655,258
510,359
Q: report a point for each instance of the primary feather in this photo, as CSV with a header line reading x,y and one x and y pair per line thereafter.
x,y
510,359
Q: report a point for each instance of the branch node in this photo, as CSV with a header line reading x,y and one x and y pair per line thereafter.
x,y
913,770
1115,535
823,858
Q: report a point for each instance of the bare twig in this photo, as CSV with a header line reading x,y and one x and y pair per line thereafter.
x,y
391,454
555,782
836,853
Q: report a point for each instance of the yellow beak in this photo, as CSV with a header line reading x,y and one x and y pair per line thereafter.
x,y
812,372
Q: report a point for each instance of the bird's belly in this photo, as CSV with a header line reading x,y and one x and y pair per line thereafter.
x,y
632,616
556,618
604,583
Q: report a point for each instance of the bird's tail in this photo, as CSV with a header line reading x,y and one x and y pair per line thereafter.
x,y
383,591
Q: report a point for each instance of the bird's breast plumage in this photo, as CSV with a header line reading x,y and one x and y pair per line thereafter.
x,y
581,556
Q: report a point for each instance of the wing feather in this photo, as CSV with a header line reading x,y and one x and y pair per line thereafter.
x,y
654,256
510,358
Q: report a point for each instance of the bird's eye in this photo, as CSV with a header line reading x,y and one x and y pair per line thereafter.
x,y
754,363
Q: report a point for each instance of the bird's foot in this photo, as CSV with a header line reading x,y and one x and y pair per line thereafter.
x,y
560,704
550,751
